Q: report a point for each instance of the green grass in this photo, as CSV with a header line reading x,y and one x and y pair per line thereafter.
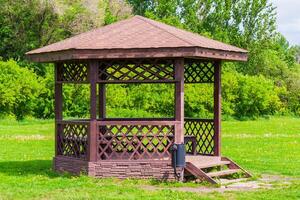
x,y
262,147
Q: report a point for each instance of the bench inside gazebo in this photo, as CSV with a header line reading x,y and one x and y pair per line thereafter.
x,y
139,50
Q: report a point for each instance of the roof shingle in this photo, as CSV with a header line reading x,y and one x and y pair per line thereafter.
x,y
136,33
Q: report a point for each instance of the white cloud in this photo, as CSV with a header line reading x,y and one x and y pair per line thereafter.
x,y
288,19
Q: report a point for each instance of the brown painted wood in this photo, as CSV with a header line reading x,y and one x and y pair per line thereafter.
x,y
72,140
198,120
192,169
58,109
73,121
93,66
131,122
136,81
92,141
233,165
92,136
204,162
204,135
179,100
142,141
86,54
139,119
223,173
217,109
102,101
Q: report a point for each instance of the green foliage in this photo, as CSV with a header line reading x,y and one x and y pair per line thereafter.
x,y
25,25
250,96
76,99
256,97
45,102
155,100
19,88
198,100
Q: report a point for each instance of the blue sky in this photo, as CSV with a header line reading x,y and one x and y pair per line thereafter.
x,y
288,19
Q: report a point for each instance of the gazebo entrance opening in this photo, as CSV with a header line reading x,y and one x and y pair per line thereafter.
x,y
139,147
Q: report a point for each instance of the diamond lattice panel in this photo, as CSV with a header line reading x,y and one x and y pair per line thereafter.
x,y
203,131
136,70
72,141
134,142
197,71
73,72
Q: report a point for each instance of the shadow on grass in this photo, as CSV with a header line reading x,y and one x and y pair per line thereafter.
x,y
30,167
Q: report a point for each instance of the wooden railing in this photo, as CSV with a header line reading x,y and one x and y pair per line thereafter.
x,y
135,140
203,132
71,139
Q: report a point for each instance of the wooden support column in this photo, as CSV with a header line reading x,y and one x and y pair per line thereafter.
x,y
102,99
179,100
217,109
92,136
58,107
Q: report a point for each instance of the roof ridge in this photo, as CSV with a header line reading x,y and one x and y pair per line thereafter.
x,y
149,21
152,22
85,33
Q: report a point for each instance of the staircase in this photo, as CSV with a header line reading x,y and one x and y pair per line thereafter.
x,y
212,168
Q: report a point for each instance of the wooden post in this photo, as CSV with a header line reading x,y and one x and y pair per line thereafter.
x,y
217,109
92,136
179,100
102,100
58,107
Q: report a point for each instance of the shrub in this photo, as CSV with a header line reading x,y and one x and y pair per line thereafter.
x,y
256,96
19,89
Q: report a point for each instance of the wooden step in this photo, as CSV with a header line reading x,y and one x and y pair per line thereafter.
x,y
223,173
212,164
192,169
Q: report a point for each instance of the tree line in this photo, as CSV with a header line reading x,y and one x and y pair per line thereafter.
x,y
268,84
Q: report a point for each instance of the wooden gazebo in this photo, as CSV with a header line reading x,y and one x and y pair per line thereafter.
x,y
138,50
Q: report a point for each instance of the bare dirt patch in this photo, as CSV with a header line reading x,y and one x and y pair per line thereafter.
x,y
24,137
265,182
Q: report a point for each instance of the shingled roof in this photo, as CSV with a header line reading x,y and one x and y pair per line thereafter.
x,y
137,37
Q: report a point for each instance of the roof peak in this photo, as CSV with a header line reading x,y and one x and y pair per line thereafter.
x,y
153,23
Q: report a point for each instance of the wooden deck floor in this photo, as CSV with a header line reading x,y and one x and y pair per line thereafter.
x,y
204,161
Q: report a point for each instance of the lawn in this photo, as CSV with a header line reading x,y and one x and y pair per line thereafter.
x,y
262,147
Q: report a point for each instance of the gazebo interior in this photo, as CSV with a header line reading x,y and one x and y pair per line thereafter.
x,y
139,50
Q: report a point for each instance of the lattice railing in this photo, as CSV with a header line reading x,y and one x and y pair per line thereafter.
x,y
137,70
203,131
198,71
133,142
73,72
141,70
72,139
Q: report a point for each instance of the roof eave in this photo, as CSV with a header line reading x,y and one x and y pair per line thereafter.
x,y
85,54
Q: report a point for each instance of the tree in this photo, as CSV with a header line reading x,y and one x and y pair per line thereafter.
x,y
26,25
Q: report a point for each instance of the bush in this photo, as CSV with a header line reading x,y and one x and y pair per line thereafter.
x,y
19,89
140,100
198,100
44,104
250,96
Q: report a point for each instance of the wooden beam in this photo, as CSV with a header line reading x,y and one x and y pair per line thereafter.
x,y
92,135
58,107
93,66
102,98
140,122
217,109
171,52
179,100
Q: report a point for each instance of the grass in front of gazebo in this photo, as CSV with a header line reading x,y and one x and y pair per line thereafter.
x,y
261,146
